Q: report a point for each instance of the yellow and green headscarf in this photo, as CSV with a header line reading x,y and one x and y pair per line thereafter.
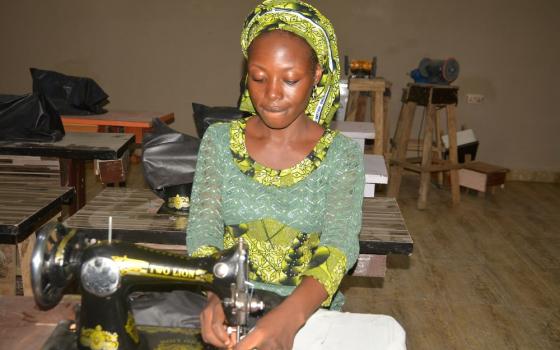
x,y
304,20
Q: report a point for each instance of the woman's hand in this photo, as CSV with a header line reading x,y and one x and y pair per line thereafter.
x,y
212,322
275,331
278,328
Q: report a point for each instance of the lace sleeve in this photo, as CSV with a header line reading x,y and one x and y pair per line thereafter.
x,y
205,230
339,247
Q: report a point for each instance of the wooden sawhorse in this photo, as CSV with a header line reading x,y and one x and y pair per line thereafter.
x,y
433,98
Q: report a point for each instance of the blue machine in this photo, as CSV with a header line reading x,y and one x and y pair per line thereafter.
x,y
434,71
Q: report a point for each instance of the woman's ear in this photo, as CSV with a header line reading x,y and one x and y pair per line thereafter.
x,y
317,74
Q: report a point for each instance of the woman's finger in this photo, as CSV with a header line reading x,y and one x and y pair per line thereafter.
x,y
218,326
207,330
251,341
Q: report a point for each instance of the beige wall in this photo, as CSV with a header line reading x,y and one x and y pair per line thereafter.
x,y
163,55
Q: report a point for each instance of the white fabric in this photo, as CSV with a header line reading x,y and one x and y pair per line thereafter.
x,y
342,330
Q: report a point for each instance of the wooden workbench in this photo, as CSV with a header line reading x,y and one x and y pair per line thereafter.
x,y
133,122
135,219
24,207
72,151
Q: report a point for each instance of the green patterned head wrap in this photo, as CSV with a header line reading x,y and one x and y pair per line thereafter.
x,y
305,21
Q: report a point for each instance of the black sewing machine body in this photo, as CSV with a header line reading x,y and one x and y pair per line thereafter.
x,y
107,272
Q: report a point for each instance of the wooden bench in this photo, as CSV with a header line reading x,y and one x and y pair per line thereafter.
x,y
135,219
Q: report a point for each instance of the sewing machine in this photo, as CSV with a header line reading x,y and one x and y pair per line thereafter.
x,y
107,271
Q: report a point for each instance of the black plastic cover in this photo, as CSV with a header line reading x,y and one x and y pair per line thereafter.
x,y
169,157
29,117
71,95
205,116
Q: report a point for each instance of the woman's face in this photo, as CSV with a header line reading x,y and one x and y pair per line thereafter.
x,y
280,77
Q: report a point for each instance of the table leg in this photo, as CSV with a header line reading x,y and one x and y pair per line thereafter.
x,y
72,174
24,251
136,155
138,133
8,262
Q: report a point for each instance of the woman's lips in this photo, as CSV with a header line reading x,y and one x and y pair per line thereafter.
x,y
273,109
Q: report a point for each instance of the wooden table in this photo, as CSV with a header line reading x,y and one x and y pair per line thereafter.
x,y
73,150
24,207
23,326
135,219
133,122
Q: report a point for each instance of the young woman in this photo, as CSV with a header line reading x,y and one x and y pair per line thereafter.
x,y
282,180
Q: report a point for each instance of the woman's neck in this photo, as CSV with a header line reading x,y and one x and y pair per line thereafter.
x,y
281,148
301,129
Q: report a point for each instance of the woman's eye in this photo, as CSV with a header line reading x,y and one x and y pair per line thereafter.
x,y
292,82
257,79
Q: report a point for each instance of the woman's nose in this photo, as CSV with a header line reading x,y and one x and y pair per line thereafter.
x,y
274,89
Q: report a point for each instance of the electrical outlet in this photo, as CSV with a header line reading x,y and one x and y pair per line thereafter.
x,y
475,99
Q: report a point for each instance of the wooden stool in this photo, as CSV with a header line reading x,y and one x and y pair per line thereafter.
x,y
433,98
379,103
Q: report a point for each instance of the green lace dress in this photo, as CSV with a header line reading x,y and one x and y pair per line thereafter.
x,y
301,221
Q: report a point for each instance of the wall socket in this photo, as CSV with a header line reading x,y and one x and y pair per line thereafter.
x,y
475,99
